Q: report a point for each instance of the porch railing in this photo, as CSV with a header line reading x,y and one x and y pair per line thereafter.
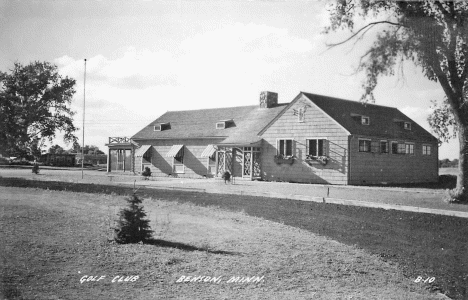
x,y
119,140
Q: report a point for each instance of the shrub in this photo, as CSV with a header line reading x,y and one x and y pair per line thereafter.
x,y
456,196
146,173
132,226
226,176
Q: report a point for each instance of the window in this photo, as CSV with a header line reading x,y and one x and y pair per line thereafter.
x,y
401,148
317,147
426,150
398,148
365,120
285,147
407,126
409,149
162,126
364,146
223,124
178,163
383,147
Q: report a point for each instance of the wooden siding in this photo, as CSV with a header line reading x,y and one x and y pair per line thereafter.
x,y
316,125
160,165
377,168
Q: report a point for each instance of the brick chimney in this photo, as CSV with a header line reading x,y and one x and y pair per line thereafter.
x,y
268,99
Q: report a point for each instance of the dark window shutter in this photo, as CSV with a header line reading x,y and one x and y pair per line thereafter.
x,y
313,147
288,147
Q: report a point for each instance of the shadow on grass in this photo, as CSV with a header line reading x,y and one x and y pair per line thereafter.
x,y
445,182
420,243
186,247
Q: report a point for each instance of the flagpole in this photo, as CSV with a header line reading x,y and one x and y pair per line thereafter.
x,y
84,106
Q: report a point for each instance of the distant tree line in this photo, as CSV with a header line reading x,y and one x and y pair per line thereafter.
x,y
76,148
447,163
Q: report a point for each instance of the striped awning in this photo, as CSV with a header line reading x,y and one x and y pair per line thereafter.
x,y
174,150
142,150
209,150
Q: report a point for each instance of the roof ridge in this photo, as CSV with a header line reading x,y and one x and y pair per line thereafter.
x,y
354,101
214,108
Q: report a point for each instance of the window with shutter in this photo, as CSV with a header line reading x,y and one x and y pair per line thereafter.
x,y
317,147
364,145
285,147
383,147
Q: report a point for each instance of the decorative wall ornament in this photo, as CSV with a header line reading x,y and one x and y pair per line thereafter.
x,y
300,113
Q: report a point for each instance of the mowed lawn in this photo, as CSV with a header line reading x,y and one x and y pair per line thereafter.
x,y
52,239
448,171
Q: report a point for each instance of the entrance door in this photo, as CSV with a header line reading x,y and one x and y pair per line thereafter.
x,y
237,162
120,160
212,165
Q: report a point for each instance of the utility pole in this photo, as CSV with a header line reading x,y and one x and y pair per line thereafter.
x,y
84,106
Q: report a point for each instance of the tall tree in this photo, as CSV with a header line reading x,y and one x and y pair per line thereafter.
x,y
34,104
56,149
431,34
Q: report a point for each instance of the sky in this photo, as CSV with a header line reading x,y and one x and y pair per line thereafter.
x,y
148,57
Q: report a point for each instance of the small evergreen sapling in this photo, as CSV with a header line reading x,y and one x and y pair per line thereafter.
x,y
132,226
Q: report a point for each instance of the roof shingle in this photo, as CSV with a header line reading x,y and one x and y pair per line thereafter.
x,y
248,121
385,121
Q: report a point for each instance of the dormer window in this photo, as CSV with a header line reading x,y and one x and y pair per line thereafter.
x,y
162,126
365,120
223,124
407,126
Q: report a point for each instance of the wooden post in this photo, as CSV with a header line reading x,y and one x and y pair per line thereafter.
x,y
251,163
108,160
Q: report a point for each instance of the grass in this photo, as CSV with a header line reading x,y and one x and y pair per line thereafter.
x,y
52,239
421,244
446,181
448,171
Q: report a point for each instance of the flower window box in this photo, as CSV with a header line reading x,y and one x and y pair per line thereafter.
x,y
281,159
313,160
